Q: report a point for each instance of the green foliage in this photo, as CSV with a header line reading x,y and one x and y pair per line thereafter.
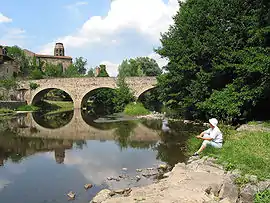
x,y
241,181
19,56
123,95
103,72
140,66
33,85
262,197
53,71
80,64
71,71
91,73
9,83
219,58
27,108
4,111
101,101
135,109
36,74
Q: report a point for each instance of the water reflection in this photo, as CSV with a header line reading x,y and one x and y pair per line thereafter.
x,y
73,148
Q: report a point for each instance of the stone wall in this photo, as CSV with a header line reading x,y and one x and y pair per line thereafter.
x,y
8,69
66,62
11,104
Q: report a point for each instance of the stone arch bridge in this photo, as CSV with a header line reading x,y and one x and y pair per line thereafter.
x,y
78,88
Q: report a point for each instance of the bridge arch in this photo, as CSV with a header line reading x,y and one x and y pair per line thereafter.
x,y
37,94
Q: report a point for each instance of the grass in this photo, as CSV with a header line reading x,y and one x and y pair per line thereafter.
x,y
5,111
27,108
262,197
59,106
135,109
247,151
265,124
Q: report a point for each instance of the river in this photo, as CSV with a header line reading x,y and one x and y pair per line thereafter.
x,y
43,156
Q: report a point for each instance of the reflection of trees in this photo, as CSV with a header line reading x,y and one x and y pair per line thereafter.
x,y
172,148
152,124
89,119
53,121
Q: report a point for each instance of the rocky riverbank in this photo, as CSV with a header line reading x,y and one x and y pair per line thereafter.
x,y
200,180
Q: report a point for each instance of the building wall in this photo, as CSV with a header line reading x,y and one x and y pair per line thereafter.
x,y
55,61
7,69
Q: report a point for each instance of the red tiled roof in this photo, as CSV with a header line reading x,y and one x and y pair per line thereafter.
x,y
51,56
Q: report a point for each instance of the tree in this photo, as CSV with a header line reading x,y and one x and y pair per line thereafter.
x,y
103,71
71,71
123,95
91,73
140,66
19,56
80,64
219,58
51,70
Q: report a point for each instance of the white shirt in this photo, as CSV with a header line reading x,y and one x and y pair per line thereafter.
x,y
215,134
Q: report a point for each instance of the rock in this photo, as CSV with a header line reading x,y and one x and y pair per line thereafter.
x,y
234,174
213,189
139,198
112,193
87,186
124,169
71,195
101,196
251,178
139,170
109,178
263,185
226,200
163,166
247,193
120,191
138,178
150,169
229,190
166,175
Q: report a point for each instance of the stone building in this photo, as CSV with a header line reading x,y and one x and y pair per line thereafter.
x,y
56,59
8,67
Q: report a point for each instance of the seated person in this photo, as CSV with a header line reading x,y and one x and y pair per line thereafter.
x,y
213,137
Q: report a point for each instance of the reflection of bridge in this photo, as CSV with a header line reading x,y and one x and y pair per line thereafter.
x,y
78,129
78,88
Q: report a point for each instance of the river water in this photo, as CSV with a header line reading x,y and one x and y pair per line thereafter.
x,y
43,156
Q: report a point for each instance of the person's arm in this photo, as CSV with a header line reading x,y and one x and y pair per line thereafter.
x,y
202,133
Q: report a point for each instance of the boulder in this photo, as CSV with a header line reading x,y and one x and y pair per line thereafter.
x,y
101,196
247,193
263,185
229,190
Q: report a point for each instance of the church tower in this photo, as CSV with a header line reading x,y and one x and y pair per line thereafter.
x,y
59,49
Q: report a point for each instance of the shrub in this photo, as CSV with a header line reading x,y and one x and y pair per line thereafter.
x,y
33,85
135,109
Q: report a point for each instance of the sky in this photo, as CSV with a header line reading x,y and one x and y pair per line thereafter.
x,y
101,31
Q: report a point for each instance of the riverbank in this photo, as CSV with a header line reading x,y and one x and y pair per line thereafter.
x,y
233,174
200,180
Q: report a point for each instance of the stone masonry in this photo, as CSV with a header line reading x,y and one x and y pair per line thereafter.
x,y
78,88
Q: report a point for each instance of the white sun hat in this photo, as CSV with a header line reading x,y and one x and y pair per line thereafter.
x,y
213,121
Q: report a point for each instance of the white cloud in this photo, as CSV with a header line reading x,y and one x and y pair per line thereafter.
x,y
4,19
13,36
161,61
146,17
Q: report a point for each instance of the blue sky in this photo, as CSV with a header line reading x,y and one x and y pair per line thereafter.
x,y
102,31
